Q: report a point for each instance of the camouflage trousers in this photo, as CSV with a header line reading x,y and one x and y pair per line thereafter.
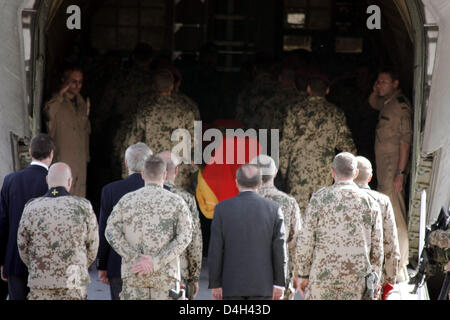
x,y
142,293
353,291
58,294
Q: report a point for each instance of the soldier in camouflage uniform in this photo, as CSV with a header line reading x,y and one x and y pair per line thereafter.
x,y
272,112
290,210
341,241
150,228
262,88
157,118
191,259
391,246
311,133
58,240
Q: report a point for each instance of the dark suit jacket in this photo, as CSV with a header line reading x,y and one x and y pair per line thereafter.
x,y
247,252
107,258
18,188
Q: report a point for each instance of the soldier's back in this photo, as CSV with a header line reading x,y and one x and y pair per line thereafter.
x,y
150,219
158,117
288,206
343,219
61,230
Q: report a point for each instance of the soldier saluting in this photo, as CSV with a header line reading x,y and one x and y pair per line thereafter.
x,y
392,145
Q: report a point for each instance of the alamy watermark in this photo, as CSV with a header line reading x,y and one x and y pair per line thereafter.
x,y
238,146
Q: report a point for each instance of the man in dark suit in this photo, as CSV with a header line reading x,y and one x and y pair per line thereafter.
x,y
109,261
247,249
18,188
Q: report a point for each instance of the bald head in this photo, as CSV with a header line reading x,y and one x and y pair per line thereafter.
x,y
172,162
365,171
59,175
248,176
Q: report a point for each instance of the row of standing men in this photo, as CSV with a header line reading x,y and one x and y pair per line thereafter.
x,y
151,228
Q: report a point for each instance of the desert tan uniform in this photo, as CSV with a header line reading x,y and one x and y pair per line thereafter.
x,y
155,222
394,128
292,224
391,247
58,241
68,124
341,242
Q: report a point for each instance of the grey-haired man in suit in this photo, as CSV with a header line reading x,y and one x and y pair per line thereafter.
x,y
247,249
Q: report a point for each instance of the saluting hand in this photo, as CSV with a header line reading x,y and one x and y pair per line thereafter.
x,y
64,88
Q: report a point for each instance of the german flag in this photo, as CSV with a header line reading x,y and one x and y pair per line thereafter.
x,y
217,181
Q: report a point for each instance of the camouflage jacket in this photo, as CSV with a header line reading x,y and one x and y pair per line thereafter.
x,y
342,237
313,130
191,259
58,240
253,96
440,238
272,112
391,246
291,214
186,100
311,133
150,221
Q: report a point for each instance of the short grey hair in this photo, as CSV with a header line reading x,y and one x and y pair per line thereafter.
x,y
365,170
345,165
248,176
267,166
154,168
171,159
135,156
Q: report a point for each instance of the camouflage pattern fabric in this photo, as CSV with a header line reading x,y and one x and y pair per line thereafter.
x,y
253,96
150,221
271,113
391,246
341,242
160,293
440,238
291,213
191,259
58,241
156,119
58,294
185,100
311,133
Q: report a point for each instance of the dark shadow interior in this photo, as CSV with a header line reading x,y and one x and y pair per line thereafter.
x,y
334,32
